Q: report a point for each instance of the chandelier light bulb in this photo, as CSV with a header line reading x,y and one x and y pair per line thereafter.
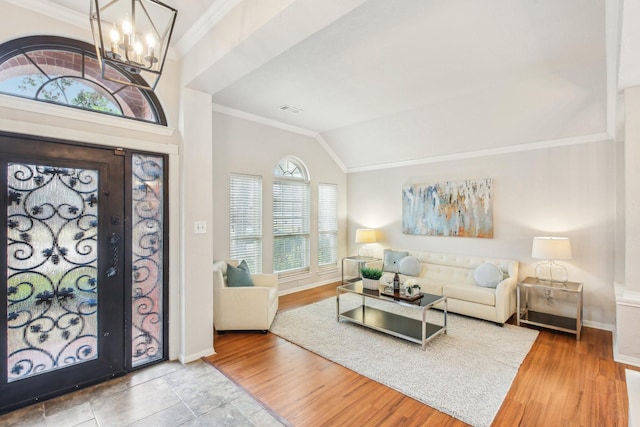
x,y
115,35
115,38
151,41
137,48
127,28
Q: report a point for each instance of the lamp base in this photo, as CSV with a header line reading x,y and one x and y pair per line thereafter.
x,y
365,252
549,271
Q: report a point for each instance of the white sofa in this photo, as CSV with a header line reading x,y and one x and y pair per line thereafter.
x,y
453,276
243,308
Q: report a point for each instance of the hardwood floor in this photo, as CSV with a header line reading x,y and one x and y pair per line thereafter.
x,y
562,382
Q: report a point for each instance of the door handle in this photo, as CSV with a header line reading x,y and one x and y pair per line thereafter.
x,y
113,241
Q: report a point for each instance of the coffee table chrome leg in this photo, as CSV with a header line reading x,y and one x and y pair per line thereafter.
x,y
338,305
424,329
445,316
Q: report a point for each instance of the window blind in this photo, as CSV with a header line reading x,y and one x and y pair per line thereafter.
x,y
327,226
245,220
290,226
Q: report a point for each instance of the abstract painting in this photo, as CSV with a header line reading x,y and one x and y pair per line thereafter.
x,y
459,209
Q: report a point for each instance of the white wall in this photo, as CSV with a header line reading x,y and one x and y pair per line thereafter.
x,y
246,147
567,191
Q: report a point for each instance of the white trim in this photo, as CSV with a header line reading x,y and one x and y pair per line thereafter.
x,y
280,125
37,129
202,26
184,359
554,143
306,287
331,153
599,325
61,111
516,148
54,11
632,379
333,269
617,357
262,120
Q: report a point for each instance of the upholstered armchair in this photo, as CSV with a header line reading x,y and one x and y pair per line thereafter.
x,y
243,308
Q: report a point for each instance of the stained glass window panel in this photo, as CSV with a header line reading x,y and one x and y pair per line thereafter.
x,y
52,223
147,259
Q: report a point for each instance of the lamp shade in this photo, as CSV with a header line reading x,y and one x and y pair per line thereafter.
x,y
551,248
365,235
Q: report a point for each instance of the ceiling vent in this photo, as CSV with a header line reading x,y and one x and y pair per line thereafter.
x,y
290,109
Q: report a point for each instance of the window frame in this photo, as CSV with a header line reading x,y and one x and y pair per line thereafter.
x,y
23,45
255,262
301,179
329,229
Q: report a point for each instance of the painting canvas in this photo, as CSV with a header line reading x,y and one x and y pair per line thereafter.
x,y
460,209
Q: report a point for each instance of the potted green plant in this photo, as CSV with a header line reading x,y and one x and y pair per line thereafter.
x,y
371,277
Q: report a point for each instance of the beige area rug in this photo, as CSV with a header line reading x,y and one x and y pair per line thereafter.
x,y
465,373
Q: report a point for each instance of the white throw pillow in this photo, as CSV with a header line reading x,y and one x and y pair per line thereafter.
x,y
409,266
488,275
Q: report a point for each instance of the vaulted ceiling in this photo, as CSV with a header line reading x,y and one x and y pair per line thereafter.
x,y
390,82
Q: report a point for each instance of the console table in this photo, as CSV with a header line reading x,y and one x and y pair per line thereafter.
x,y
545,290
418,331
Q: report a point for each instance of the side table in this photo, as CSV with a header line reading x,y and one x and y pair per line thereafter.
x,y
360,260
546,289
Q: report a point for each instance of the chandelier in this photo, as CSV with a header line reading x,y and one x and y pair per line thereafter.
x,y
132,35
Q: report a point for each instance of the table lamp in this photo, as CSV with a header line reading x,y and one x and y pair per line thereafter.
x,y
366,236
551,249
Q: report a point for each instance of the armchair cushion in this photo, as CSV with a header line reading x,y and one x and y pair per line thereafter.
x,y
243,307
239,276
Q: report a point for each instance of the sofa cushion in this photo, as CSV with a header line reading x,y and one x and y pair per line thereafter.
x,y
410,266
391,260
488,275
470,293
239,276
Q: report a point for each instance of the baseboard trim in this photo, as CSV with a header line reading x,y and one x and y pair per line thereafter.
x,y
599,325
617,357
184,359
307,287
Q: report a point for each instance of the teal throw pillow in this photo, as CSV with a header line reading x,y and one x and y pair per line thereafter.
x,y
239,276
391,260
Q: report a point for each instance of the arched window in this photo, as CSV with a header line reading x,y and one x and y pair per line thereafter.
x,y
291,167
291,208
66,72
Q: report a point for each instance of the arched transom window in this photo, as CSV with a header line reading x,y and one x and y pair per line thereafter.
x,y
290,167
66,72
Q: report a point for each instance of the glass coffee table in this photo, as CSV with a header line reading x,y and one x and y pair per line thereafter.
x,y
418,331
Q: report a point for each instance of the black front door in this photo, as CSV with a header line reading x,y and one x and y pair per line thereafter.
x,y
62,262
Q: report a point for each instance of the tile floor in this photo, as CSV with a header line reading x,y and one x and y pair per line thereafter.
x,y
168,394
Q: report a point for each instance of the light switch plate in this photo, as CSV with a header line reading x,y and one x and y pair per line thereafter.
x,y
200,227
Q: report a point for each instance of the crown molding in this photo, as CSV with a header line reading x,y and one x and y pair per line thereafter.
x,y
331,153
202,26
554,143
54,11
262,120
280,125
